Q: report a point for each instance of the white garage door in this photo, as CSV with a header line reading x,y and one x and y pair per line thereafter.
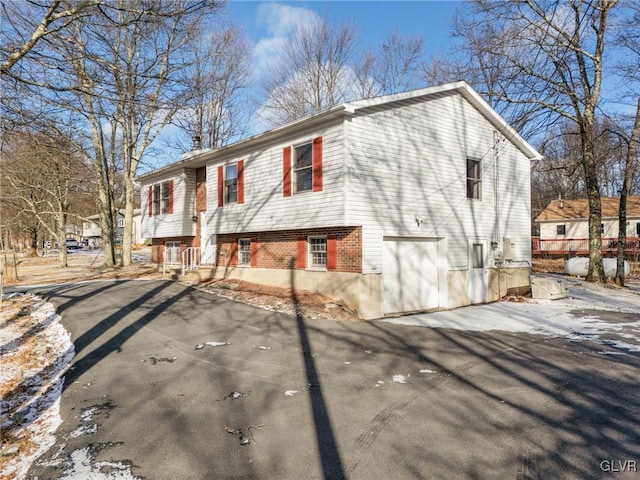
x,y
409,274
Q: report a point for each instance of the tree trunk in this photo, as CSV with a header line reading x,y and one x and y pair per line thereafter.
x,y
596,270
62,241
626,187
128,221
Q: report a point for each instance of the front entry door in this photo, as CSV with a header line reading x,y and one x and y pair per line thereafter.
x,y
478,270
207,242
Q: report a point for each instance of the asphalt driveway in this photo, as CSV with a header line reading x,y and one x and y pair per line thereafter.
x,y
280,397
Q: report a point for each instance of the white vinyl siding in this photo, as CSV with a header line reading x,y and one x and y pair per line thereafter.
x,y
265,208
410,161
178,224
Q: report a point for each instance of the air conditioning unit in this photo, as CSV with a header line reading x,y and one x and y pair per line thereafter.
x,y
509,249
549,288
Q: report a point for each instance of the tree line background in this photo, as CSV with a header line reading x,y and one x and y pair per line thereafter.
x,y
88,86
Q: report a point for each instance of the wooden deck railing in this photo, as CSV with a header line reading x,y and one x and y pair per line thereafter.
x,y
580,246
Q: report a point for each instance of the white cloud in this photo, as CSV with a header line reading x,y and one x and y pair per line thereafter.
x,y
280,20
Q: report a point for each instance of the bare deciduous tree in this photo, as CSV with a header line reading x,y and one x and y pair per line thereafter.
x,y
27,23
117,77
629,39
216,112
312,72
42,178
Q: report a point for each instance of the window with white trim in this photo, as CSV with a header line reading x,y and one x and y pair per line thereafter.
x,y
161,198
317,252
231,183
303,168
244,251
474,179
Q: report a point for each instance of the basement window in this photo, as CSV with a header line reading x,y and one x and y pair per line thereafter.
x,y
317,252
244,251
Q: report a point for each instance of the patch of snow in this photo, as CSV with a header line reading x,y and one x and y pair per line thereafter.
x,y
555,318
426,370
290,393
40,411
84,430
84,467
217,344
399,379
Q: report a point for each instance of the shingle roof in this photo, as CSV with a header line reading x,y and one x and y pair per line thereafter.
x,y
579,209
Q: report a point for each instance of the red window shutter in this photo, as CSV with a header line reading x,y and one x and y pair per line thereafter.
x,y
150,200
233,254
301,260
286,171
170,196
332,252
254,252
317,164
220,186
240,181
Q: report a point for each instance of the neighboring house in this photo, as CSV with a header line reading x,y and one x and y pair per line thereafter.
x,y
564,226
92,232
399,203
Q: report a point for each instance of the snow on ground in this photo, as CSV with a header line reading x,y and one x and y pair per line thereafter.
x,y
578,317
35,351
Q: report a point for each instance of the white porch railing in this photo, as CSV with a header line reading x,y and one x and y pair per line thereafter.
x,y
192,259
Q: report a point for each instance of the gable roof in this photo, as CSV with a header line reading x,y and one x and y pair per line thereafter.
x,y
199,158
579,209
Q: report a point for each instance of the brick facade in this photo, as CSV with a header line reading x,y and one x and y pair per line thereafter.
x,y
157,246
279,249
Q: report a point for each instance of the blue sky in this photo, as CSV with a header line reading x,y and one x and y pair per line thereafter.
x,y
265,21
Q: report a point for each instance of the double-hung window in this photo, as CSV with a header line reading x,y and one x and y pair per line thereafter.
x,y
231,183
474,179
303,168
161,198
318,252
244,251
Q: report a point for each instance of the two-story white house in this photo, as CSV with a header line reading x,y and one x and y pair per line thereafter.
x,y
406,202
92,232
